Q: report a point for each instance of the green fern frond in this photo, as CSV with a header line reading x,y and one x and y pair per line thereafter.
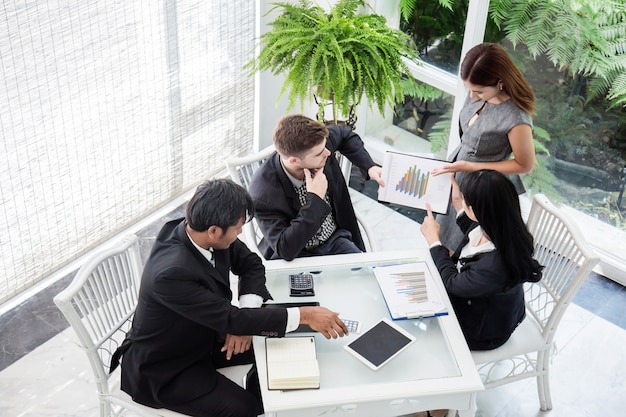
x,y
406,8
598,86
541,133
587,37
346,9
446,3
617,91
541,136
542,180
440,132
422,91
340,55
516,15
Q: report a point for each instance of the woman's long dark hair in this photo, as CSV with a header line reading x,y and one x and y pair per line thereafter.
x,y
494,200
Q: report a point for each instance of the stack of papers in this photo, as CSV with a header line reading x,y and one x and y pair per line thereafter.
x,y
292,363
409,291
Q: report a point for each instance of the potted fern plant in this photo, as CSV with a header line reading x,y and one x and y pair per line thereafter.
x,y
338,56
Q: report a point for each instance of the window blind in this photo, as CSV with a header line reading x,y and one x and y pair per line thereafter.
x,y
108,110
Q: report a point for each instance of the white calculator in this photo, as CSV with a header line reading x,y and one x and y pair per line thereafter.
x,y
354,326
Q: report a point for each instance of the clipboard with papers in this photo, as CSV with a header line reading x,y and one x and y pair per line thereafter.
x,y
410,291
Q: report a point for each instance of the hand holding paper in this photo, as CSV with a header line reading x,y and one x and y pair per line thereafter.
x,y
376,174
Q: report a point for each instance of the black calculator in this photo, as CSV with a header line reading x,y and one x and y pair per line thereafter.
x,y
301,285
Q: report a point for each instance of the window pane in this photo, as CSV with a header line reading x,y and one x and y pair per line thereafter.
x,y
583,161
426,116
108,110
438,32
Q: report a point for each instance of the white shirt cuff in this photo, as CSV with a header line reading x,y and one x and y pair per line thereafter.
x,y
460,212
435,244
293,319
250,301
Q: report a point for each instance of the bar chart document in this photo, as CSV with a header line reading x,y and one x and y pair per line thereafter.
x,y
410,291
409,182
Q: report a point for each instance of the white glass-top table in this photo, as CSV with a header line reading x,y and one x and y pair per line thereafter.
x,y
437,371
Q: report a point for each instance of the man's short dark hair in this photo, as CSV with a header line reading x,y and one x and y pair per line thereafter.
x,y
296,134
218,202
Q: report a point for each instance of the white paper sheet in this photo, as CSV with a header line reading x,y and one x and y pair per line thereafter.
x,y
409,182
410,291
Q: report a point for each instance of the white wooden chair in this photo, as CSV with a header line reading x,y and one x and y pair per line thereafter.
x,y
99,305
242,169
568,260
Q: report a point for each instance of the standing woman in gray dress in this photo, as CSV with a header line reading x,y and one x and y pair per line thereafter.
x,y
495,125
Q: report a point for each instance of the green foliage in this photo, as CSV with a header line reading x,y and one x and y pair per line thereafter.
x,y
422,91
408,7
542,180
428,21
587,37
440,132
541,136
340,56
586,42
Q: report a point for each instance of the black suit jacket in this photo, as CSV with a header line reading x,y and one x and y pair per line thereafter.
x,y
184,313
487,307
285,223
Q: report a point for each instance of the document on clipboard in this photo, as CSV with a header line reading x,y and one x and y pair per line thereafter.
x,y
410,291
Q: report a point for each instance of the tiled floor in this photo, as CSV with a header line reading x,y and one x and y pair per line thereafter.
x,y
587,376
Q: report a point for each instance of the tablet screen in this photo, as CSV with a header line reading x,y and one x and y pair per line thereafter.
x,y
380,344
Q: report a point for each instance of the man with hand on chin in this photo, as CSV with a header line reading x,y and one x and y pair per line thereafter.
x,y
301,198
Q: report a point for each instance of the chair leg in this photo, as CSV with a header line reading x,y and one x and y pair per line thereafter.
x,y
543,380
105,407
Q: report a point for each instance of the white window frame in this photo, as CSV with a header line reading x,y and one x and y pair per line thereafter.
x,y
377,129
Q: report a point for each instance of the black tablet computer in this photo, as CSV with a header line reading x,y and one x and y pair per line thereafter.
x,y
380,344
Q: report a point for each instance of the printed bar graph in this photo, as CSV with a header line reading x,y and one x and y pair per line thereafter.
x,y
414,182
411,285
410,291
411,182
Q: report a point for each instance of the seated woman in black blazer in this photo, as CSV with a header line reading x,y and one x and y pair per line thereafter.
x,y
484,277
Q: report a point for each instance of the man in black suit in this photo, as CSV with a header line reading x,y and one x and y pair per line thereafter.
x,y
301,198
185,326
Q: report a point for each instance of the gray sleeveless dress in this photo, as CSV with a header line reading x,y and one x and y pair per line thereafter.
x,y
485,140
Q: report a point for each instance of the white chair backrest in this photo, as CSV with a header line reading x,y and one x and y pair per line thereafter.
x,y
99,305
346,166
567,258
242,169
